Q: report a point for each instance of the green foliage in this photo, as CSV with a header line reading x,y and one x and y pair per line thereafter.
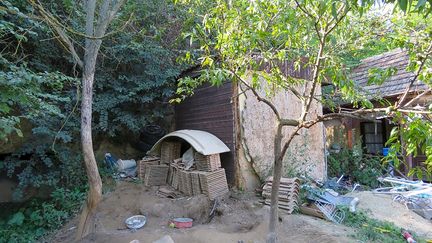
x,y
361,168
37,218
372,230
134,85
416,132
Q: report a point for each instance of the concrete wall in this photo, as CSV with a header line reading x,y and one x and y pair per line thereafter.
x,y
257,125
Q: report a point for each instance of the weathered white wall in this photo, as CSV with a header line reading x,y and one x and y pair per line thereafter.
x,y
306,153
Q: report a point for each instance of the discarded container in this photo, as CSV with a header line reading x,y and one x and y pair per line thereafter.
x,y
135,222
125,164
181,223
408,237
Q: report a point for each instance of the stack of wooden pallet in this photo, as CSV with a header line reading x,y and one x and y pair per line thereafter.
x,y
196,185
155,175
288,193
206,177
141,165
213,184
170,151
207,162
185,182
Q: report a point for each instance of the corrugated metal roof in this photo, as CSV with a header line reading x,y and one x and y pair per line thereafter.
x,y
395,84
203,142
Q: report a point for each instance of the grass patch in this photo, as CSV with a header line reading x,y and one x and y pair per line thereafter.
x,y
373,230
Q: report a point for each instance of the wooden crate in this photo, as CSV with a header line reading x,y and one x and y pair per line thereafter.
x,y
196,185
213,184
141,165
155,175
170,151
207,162
185,183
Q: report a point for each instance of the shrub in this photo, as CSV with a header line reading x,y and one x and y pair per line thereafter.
x,y
361,168
37,218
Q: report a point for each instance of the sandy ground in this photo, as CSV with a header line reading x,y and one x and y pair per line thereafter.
x,y
383,207
238,218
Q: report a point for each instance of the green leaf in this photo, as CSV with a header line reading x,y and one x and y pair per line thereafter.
x,y
17,219
334,10
420,4
403,4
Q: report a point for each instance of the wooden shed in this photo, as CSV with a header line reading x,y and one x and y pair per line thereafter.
x,y
246,126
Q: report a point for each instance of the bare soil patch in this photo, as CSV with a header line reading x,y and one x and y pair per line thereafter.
x,y
237,218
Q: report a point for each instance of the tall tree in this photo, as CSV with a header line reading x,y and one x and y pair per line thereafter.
x,y
97,19
238,38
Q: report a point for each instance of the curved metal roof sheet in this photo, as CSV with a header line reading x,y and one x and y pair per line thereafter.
x,y
203,142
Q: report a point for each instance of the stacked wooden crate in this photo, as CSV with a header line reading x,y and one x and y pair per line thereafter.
x,y
155,175
185,183
214,183
208,178
196,185
207,162
288,193
170,151
141,165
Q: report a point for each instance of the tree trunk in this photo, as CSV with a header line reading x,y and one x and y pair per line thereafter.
x,y
277,174
86,224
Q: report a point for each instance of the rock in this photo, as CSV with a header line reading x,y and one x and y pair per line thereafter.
x,y
165,239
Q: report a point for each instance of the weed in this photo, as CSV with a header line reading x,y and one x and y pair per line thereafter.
x,y
373,230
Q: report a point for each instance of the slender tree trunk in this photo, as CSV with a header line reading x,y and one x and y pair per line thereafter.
x,y
86,224
277,174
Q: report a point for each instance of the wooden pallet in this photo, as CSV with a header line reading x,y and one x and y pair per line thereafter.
x,y
207,162
155,175
185,184
141,165
213,184
170,151
196,185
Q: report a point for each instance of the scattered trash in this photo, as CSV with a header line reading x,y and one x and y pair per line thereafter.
x,y
289,189
181,223
408,237
415,195
327,197
331,212
121,168
188,158
136,222
312,210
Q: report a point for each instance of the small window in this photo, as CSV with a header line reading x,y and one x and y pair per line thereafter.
x,y
373,139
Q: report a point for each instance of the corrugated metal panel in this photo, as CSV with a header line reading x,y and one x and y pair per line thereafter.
x,y
210,109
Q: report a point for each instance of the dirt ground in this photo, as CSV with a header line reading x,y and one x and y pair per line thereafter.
x,y
238,218
383,207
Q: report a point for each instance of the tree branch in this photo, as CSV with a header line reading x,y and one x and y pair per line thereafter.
x,y
417,74
417,97
64,38
259,98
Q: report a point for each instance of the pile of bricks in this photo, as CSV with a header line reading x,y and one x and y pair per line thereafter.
x,y
288,193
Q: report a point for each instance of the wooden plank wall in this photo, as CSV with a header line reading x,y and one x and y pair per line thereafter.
x,y
210,109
